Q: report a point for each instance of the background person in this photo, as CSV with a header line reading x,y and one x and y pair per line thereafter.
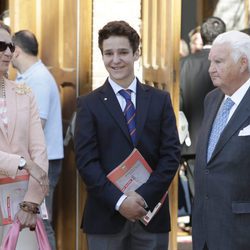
x,y
184,50
195,40
195,83
34,73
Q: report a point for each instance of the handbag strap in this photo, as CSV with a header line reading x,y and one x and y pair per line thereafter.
x,y
10,240
41,235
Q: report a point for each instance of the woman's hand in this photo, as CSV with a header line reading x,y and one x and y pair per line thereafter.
x,y
26,219
39,175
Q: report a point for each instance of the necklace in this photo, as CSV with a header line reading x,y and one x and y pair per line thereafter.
x,y
3,109
3,88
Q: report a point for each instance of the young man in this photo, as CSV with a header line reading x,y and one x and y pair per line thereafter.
x,y
221,210
103,139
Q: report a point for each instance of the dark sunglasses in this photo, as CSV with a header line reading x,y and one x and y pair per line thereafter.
x,y
4,46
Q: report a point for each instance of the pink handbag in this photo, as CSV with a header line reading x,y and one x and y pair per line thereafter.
x,y
11,238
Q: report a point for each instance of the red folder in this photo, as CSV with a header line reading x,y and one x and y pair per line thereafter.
x,y
130,175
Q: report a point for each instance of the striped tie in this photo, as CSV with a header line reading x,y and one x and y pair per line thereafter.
x,y
129,113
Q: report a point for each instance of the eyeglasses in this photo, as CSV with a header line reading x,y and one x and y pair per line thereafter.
x,y
4,46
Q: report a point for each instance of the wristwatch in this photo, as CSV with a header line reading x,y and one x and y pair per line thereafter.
x,y
22,163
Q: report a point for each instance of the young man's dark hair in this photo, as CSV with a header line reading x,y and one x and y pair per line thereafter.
x,y
119,28
26,41
211,28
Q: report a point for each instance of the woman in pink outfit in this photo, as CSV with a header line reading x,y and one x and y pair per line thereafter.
x,y
22,152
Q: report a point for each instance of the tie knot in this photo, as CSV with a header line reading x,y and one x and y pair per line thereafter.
x,y
228,104
125,93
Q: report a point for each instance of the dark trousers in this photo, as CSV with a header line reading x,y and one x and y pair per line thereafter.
x,y
205,247
132,237
55,168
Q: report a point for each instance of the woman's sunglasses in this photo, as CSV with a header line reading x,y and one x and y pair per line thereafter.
x,y
4,46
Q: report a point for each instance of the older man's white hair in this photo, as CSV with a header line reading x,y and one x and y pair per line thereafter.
x,y
239,43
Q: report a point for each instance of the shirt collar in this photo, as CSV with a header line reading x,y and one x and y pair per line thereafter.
x,y
208,46
29,71
238,95
116,87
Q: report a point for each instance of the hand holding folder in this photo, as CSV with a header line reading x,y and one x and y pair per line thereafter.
x,y
130,175
132,208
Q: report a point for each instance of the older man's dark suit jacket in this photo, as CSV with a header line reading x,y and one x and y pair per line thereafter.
x,y
102,142
221,211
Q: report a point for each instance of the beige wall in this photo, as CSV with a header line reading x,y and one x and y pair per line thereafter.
x,y
233,13
127,10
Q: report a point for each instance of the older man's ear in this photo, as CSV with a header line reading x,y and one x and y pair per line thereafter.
x,y
244,64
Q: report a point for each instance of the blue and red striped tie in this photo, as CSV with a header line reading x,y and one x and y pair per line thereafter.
x,y
129,113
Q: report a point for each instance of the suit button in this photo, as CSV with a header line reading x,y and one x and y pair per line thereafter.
x,y
206,171
206,197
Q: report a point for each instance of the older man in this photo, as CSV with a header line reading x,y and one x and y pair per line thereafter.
x,y
221,211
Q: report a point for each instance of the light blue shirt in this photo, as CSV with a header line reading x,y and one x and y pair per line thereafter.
x,y
46,92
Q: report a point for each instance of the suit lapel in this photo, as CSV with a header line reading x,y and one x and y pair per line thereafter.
x,y
3,129
110,101
11,110
212,112
240,115
142,104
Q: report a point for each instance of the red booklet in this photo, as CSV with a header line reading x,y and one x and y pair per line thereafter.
x,y
130,175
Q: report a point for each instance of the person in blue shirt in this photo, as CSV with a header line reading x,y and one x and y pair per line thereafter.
x,y
34,73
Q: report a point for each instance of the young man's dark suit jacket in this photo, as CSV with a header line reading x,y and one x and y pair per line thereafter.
x,y
102,142
195,83
221,211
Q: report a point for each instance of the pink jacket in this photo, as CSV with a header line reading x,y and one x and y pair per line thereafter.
x,y
25,137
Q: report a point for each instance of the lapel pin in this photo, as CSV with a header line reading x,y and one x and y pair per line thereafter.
x,y
105,99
